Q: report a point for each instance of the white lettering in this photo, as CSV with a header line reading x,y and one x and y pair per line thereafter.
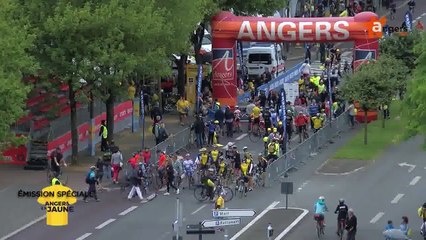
x,y
341,33
290,32
304,32
261,27
246,31
377,27
323,28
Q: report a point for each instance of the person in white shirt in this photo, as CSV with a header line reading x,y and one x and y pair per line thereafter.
x,y
306,69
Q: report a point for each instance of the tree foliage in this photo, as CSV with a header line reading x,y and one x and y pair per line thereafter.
x,y
14,60
374,84
401,48
416,92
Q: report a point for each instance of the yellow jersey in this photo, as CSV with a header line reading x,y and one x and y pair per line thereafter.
x,y
222,167
182,106
317,122
204,157
244,168
214,154
56,205
256,112
220,202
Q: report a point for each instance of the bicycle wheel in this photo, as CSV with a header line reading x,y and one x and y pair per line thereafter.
x,y
241,190
319,231
200,193
228,194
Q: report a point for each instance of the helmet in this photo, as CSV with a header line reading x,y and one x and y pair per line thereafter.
x,y
218,103
280,123
203,150
188,155
210,170
275,130
269,129
341,201
321,198
289,111
337,50
236,106
216,121
245,148
260,154
265,139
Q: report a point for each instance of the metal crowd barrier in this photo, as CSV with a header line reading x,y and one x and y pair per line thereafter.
x,y
172,144
307,149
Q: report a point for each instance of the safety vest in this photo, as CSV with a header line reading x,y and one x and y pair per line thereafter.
x,y
204,158
215,154
321,88
54,180
104,132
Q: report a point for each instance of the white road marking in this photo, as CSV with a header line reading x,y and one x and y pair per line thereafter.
x,y
105,223
377,217
415,180
199,209
4,189
397,198
418,18
128,210
23,228
84,236
238,234
302,186
293,224
241,137
423,14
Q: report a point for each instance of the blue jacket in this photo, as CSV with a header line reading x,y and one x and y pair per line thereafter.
x,y
320,207
313,109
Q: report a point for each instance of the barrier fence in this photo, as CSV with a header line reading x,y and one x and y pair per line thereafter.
x,y
172,144
307,149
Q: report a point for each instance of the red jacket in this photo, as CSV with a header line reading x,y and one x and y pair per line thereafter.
x,y
146,155
162,160
300,120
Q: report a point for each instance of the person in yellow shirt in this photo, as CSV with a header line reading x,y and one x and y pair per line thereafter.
x,y
203,159
256,118
220,202
244,167
182,107
317,122
57,205
214,156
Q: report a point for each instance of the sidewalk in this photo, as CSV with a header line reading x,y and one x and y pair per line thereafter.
x,y
129,142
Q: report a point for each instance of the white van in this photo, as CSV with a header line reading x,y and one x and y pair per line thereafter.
x,y
259,58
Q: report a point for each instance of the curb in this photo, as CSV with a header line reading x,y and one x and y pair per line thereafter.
x,y
336,174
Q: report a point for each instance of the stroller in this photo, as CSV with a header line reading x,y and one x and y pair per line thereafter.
x,y
395,234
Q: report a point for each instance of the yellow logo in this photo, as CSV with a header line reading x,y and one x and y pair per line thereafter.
x,y
57,201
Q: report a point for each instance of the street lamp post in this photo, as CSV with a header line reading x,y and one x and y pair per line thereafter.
x,y
330,91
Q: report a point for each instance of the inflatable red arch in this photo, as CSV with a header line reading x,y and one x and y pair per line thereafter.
x,y
227,28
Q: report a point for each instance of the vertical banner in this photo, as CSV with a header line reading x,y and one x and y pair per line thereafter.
x,y
284,117
224,72
92,134
136,115
409,21
199,83
142,120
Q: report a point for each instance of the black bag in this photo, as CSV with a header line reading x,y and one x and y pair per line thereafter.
x,y
88,178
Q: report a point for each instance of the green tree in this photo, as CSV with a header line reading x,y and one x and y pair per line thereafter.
x,y
14,42
401,47
372,86
415,101
99,41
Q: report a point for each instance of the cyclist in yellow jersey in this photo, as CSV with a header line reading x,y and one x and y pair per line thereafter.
x,y
256,118
222,167
220,202
203,159
250,169
214,156
245,168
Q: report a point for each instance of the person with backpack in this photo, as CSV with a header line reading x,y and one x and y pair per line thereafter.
x,y
136,180
91,180
160,133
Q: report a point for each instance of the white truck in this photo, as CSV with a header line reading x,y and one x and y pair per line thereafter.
x,y
265,56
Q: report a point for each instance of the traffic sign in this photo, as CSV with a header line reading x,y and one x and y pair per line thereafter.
x,y
233,213
219,223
